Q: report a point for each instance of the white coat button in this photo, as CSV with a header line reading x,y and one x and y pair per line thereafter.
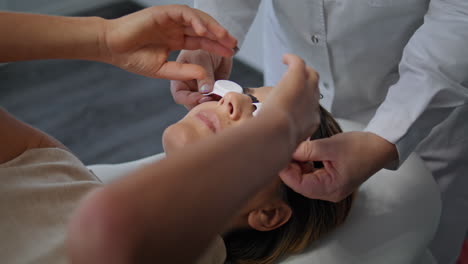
x,y
315,39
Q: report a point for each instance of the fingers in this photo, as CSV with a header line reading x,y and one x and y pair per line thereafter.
x,y
315,150
202,25
204,85
312,81
299,73
195,43
291,175
315,185
190,93
184,96
320,184
296,73
294,95
224,38
180,71
189,31
221,34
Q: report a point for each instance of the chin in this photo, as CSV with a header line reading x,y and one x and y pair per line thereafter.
x,y
175,137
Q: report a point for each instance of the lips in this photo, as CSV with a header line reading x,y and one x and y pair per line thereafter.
x,y
210,119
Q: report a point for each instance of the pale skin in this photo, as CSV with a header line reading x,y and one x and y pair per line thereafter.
x,y
266,210
138,42
115,223
344,171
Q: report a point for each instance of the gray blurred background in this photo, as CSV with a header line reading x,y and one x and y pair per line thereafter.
x,y
103,114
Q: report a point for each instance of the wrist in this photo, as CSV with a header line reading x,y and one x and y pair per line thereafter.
x,y
388,151
281,122
103,52
78,38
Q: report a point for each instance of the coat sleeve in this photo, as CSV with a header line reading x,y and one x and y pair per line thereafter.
x,y
433,78
235,15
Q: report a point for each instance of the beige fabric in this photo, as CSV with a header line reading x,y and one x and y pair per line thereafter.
x,y
38,192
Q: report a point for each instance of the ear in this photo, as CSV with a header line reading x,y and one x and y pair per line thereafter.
x,y
269,217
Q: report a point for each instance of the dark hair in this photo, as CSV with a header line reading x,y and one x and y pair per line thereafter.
x,y
310,220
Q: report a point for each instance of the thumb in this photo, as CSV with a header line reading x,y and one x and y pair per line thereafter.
x,y
291,174
205,85
312,185
315,150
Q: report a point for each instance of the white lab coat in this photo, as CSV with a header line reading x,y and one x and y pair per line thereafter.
x,y
401,66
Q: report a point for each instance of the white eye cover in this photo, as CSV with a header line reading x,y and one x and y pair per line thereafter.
x,y
222,87
258,106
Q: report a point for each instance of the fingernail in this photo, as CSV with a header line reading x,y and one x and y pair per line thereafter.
x,y
204,99
204,89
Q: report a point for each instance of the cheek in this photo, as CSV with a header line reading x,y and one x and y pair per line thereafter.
x,y
177,136
264,197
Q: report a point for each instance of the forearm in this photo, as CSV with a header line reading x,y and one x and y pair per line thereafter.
x,y
32,36
433,78
202,186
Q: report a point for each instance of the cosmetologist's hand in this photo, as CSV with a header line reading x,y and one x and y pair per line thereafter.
x,y
190,92
296,97
141,42
349,159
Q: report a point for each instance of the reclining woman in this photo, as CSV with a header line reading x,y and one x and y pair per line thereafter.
x,y
213,158
277,221
141,218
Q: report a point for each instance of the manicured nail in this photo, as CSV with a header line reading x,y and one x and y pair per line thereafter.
x,y
204,89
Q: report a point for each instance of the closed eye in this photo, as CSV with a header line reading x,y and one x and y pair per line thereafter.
x,y
254,99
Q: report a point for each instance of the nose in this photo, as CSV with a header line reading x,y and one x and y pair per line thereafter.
x,y
236,105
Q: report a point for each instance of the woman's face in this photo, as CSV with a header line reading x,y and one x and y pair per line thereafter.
x,y
210,118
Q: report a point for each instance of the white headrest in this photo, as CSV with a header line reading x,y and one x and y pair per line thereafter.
x,y
393,219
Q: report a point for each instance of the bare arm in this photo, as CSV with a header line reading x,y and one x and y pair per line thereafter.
x,y
33,36
139,42
168,211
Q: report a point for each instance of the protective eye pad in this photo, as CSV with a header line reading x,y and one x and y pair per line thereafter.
x,y
222,87
257,107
